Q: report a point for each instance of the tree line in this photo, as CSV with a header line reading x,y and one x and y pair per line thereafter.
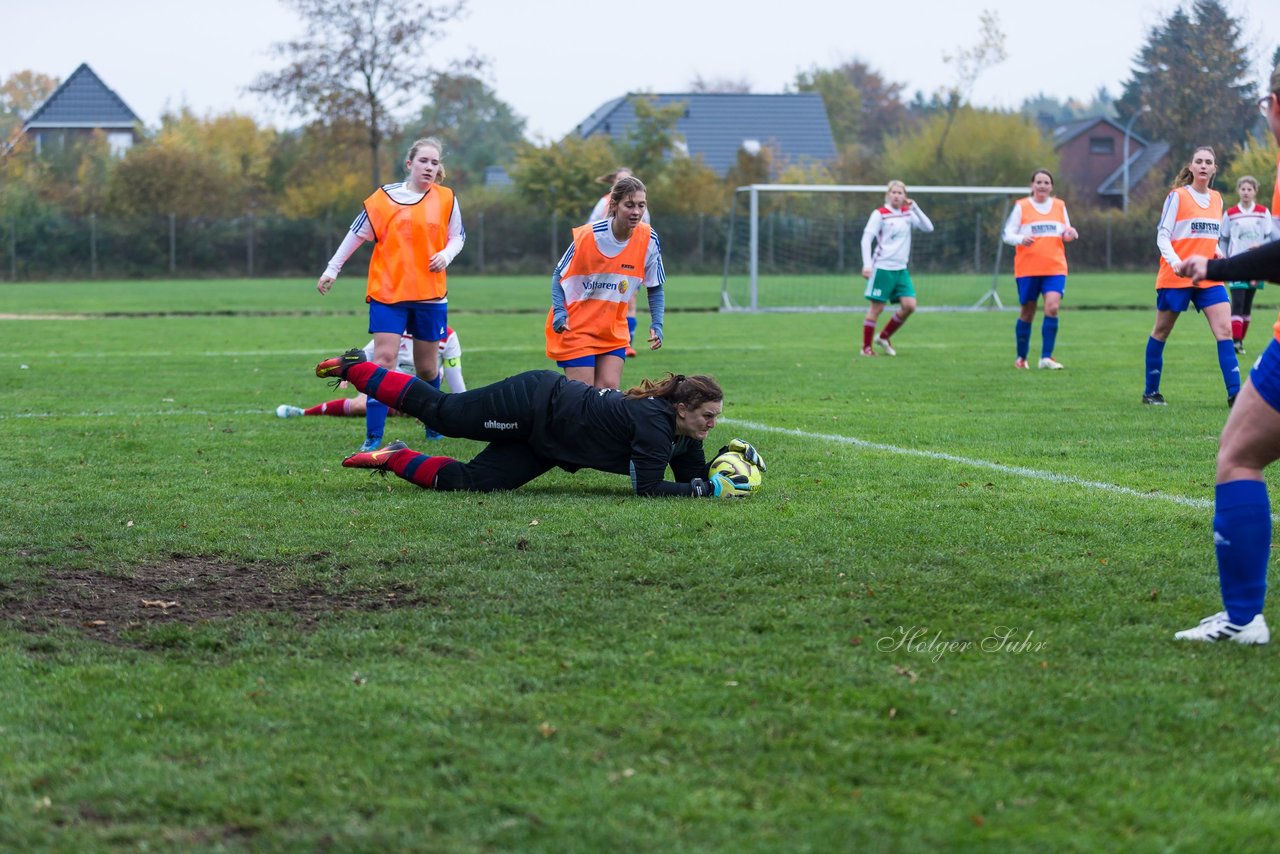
x,y
346,81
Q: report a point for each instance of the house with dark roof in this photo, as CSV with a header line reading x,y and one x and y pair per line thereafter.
x,y
1091,153
81,105
717,125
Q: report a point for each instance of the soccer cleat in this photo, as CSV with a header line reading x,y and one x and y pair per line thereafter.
x,y
284,410
1219,627
631,352
1239,346
867,351
1154,398
432,435
883,344
1049,364
1231,401
371,443
373,459
1020,363
337,366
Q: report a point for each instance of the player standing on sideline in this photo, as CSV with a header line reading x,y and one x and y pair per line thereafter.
x,y
450,366
540,420
886,270
1038,226
601,211
1250,442
586,328
1244,226
417,226
1189,226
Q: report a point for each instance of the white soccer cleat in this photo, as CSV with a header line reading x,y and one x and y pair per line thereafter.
x,y
284,410
883,344
1048,364
1218,627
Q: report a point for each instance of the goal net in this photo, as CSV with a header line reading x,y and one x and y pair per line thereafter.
x,y
797,247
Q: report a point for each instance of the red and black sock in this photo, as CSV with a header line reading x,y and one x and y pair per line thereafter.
x,y
417,468
379,383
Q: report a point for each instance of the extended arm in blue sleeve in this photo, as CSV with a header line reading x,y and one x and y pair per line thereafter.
x,y
657,309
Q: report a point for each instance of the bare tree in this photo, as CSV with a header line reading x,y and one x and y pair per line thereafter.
x,y
731,85
360,60
969,63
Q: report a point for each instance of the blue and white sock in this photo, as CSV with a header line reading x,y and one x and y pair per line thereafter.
x,y
1048,336
1022,335
1155,365
1230,366
1242,539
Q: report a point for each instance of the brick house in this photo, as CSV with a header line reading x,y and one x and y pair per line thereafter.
x,y
1091,154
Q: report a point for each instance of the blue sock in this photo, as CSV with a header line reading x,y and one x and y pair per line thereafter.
x,y
375,418
436,382
1022,334
1230,367
1155,365
631,330
1242,539
1048,336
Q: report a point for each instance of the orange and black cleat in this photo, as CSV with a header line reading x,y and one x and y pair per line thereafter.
x,y
337,367
377,460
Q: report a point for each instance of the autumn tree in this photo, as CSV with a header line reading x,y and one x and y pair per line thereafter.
x,y
981,147
1195,75
561,176
648,144
20,93
360,60
478,128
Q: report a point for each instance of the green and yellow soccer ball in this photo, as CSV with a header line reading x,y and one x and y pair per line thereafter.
x,y
733,464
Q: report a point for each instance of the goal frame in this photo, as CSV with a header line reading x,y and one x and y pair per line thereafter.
x,y
753,251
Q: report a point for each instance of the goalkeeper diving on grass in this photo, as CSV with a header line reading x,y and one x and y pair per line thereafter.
x,y
540,420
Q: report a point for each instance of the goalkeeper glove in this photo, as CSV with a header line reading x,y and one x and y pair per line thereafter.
x,y
724,486
748,451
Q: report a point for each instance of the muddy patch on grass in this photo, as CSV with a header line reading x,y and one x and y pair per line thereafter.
x,y
186,590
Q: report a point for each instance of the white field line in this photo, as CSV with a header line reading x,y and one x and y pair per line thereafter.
x,y
970,462
311,353
1016,471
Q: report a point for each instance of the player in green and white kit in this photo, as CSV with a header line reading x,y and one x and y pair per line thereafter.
x,y
886,269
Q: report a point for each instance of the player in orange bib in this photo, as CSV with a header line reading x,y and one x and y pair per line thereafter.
x,y
1190,225
1250,442
1038,226
586,328
417,229
601,211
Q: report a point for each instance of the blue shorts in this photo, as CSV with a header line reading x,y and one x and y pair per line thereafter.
x,y
590,361
1180,299
1265,375
425,321
1030,287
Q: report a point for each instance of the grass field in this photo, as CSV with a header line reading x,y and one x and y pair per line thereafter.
x,y
945,624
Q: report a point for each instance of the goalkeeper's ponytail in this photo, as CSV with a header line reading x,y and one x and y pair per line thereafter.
x,y
677,388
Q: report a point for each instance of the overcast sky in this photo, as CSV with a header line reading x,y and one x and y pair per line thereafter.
x,y
554,61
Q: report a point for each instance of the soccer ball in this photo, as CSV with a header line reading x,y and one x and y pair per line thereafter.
x,y
733,464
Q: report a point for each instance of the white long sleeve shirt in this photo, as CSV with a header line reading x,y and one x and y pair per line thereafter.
x,y
1169,218
1243,230
891,231
1013,225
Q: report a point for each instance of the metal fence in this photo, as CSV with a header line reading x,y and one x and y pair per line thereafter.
x,y
499,242
101,247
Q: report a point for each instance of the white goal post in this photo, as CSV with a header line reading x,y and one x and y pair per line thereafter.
x,y
796,247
